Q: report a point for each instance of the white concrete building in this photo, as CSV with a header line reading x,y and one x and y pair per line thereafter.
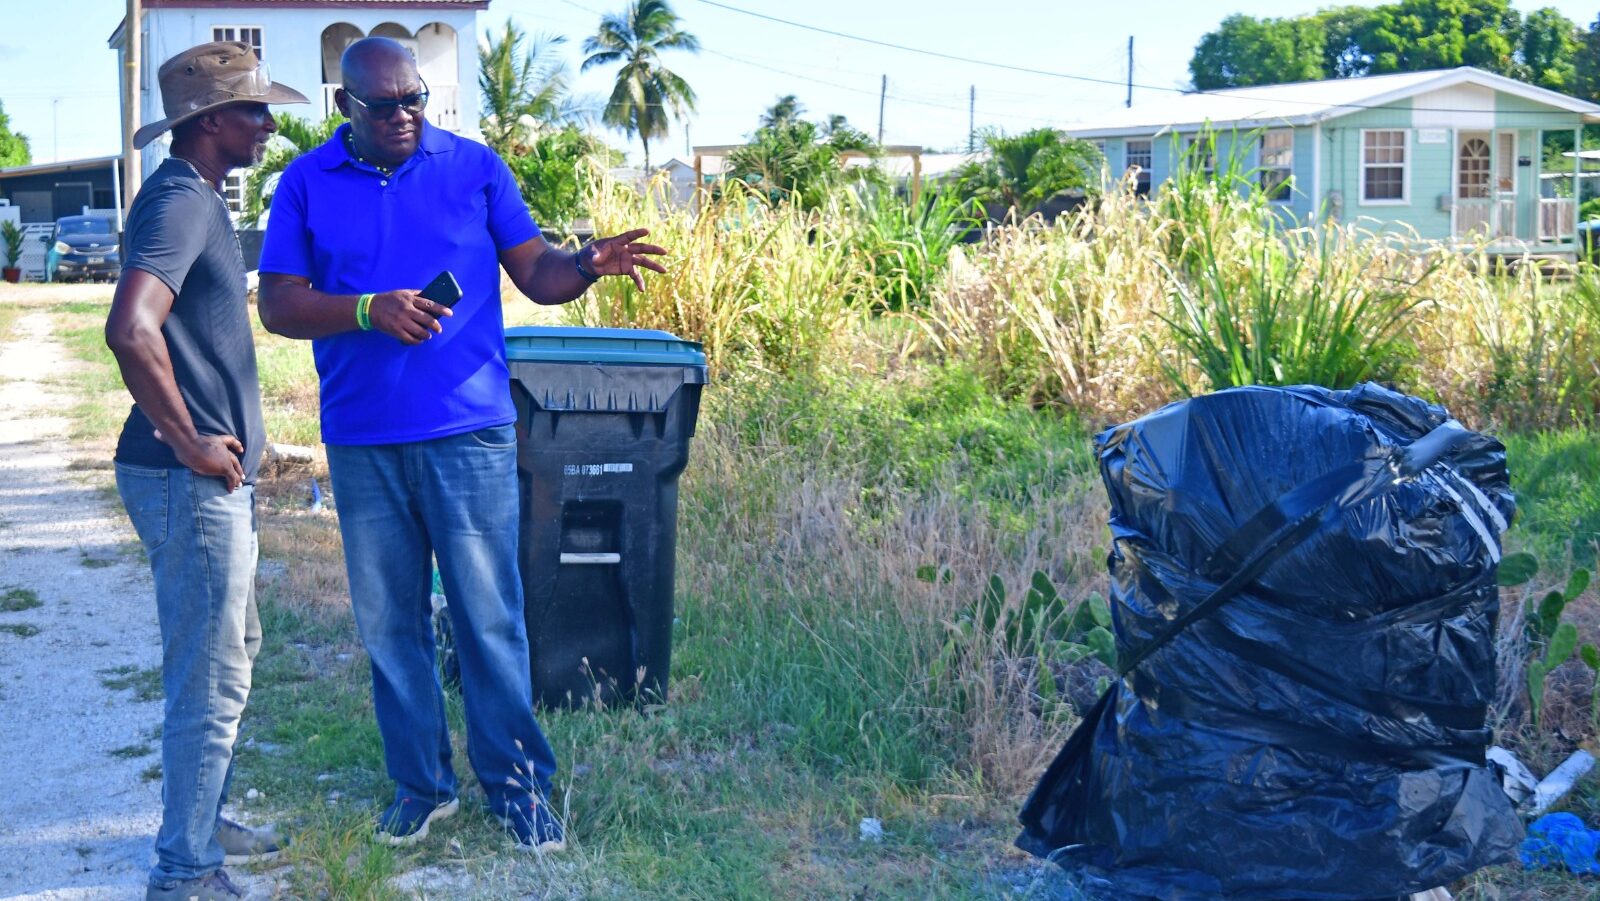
x,y
300,42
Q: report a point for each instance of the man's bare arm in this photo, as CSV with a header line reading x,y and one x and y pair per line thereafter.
x,y
550,276
290,307
133,332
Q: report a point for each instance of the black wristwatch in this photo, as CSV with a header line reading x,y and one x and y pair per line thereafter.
x,y
577,261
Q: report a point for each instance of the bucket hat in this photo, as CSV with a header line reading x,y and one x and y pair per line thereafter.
x,y
203,78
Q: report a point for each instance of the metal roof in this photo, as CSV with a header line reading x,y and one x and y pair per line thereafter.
x,y
61,166
1303,103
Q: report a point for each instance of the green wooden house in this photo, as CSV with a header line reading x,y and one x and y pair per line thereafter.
x,y
1454,154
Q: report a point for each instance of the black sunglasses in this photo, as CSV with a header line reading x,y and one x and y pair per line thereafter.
x,y
384,109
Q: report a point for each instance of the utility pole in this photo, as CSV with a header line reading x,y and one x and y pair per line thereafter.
x,y
55,129
1129,101
972,118
883,93
132,33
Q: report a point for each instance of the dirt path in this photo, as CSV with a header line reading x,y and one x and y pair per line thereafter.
x,y
81,803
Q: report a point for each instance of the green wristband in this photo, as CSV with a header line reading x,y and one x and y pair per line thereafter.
x,y
363,312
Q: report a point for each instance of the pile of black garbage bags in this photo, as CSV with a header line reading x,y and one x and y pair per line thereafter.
x,y
1304,595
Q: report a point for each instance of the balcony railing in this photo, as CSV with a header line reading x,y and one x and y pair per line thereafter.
x,y
444,105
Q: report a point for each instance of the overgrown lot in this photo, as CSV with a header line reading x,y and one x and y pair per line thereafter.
x,y
868,462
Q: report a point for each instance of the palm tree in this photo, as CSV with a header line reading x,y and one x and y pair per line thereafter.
x,y
526,89
646,91
295,136
785,111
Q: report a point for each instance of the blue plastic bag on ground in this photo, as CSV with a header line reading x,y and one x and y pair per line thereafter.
x,y
1561,840
1304,598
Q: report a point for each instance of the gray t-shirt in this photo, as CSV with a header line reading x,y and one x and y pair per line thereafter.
x,y
178,231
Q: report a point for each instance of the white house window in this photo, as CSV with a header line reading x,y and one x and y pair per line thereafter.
x,y
233,191
1383,166
1138,153
249,34
1277,163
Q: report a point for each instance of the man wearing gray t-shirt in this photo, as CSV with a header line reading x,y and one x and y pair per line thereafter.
x,y
187,458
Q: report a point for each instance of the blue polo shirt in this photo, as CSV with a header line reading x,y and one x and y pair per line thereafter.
x,y
351,230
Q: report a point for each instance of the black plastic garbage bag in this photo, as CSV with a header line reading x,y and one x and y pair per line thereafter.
x,y
1304,597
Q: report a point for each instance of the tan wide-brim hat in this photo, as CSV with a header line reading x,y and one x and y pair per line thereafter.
x,y
203,78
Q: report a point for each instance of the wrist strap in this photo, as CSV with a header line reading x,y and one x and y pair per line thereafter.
x,y
363,312
577,260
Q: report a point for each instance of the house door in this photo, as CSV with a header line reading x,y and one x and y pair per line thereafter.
x,y
1505,184
1474,209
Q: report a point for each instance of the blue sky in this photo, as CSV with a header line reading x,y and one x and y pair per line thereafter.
x,y
58,79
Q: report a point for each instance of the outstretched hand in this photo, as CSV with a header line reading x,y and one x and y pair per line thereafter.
x,y
622,255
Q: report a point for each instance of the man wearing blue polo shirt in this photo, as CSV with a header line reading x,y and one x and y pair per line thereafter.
x,y
417,419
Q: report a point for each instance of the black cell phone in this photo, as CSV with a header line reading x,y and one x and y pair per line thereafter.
x,y
443,290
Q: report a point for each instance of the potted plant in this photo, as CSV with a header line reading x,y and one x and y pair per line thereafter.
x,y
11,236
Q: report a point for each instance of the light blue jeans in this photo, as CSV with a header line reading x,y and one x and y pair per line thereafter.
x,y
201,541
455,498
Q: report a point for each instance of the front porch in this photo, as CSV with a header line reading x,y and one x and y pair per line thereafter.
x,y
1501,200
1499,224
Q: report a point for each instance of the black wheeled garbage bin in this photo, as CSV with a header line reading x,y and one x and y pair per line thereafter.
x,y
604,418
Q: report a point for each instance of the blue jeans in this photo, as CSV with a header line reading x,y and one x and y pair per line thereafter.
x,y
201,541
454,498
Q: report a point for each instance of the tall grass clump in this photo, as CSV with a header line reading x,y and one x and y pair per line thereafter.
x,y
765,287
813,515
1056,313
907,246
1514,348
1330,306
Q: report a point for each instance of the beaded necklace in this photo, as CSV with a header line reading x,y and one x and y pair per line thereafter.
x,y
350,144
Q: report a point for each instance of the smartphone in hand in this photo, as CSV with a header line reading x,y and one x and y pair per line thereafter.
x,y
443,290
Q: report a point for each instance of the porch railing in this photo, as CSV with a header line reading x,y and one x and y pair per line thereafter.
x,y
1558,218
444,105
1479,218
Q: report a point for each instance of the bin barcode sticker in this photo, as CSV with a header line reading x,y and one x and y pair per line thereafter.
x,y
595,469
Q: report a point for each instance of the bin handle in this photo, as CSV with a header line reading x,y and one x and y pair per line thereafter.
x,y
597,559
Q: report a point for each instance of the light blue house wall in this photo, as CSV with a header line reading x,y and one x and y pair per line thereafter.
x,y
1440,115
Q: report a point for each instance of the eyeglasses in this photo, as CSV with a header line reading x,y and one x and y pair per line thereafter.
x,y
384,109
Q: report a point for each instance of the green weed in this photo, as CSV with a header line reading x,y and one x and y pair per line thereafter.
x,y
15,600
144,683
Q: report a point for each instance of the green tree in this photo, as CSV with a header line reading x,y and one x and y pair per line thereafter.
x,y
526,89
1247,51
1342,54
295,136
1546,49
548,173
798,161
785,111
1586,76
1549,50
14,150
1022,171
647,94
1417,35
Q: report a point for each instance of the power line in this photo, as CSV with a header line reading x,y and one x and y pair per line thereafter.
x,y
894,46
1235,92
899,97
863,91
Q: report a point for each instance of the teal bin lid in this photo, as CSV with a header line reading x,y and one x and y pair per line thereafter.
x,y
625,346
